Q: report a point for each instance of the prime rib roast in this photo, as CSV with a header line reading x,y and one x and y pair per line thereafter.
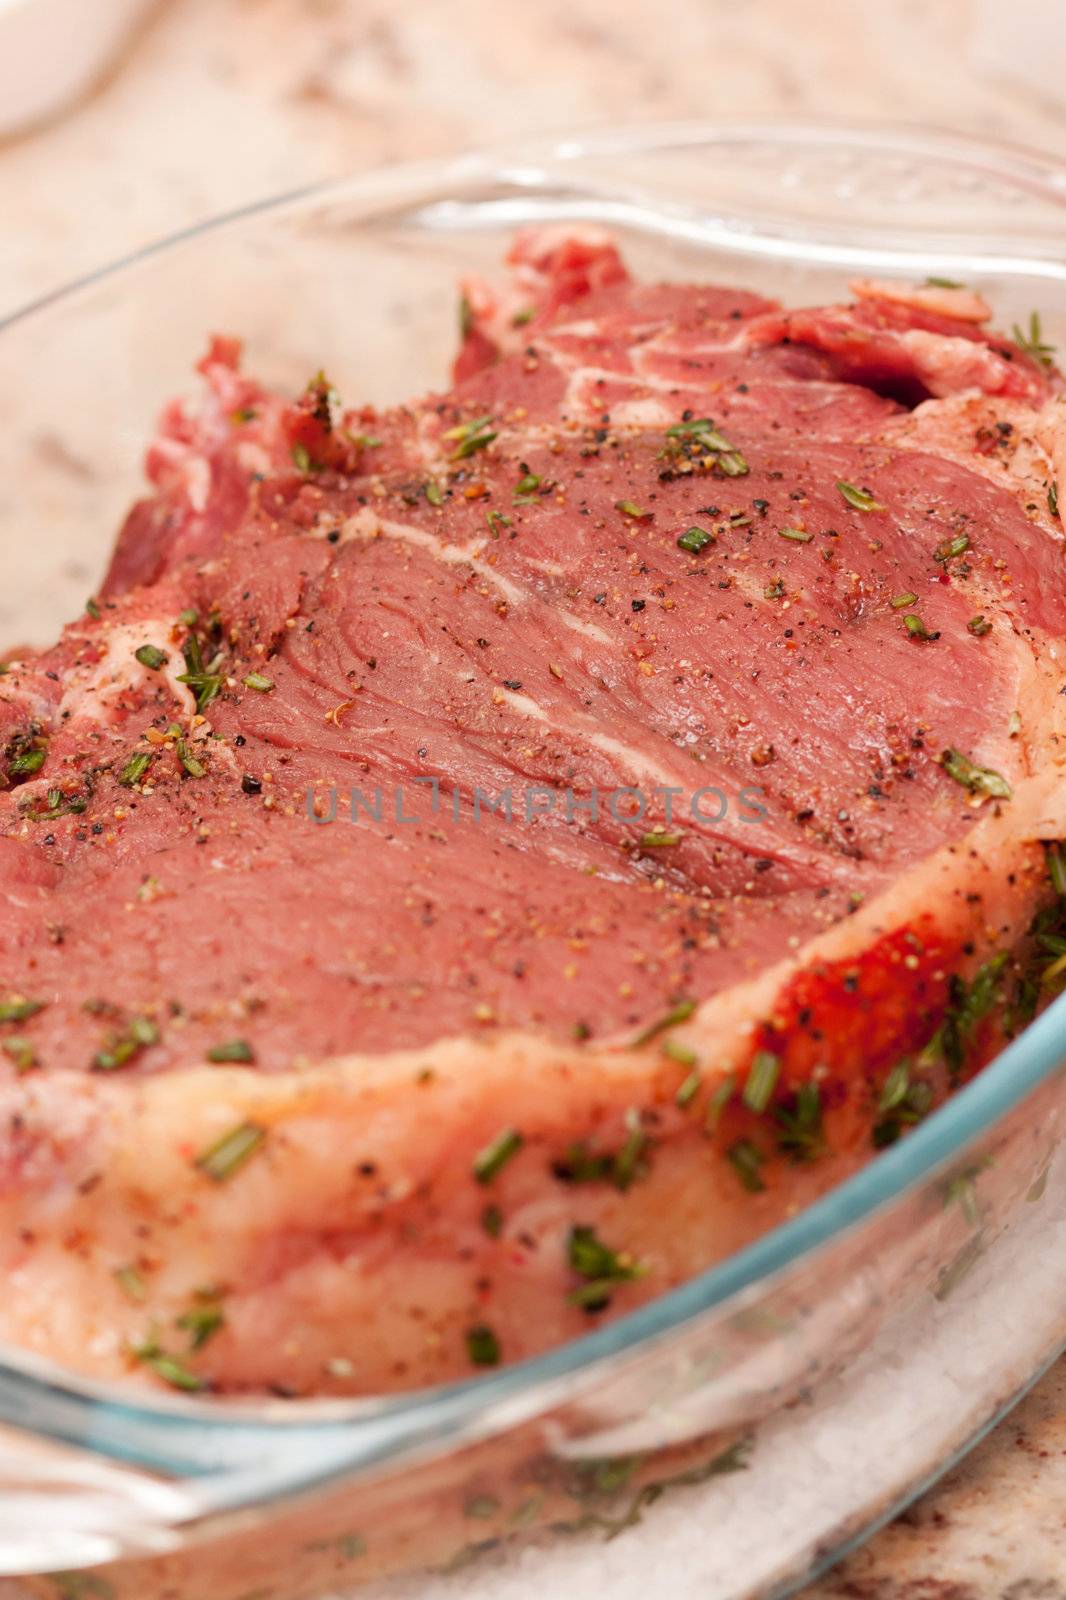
x,y
475,864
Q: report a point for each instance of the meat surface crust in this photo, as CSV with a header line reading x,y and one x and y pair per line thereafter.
x,y
476,864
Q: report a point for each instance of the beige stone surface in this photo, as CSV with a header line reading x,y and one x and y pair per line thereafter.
x,y
218,102
992,1529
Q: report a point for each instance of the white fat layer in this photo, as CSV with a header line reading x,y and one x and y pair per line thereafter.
x,y
670,344
643,772
91,692
947,364
591,630
366,524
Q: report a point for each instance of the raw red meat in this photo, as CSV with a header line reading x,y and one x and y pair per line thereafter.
x,y
393,1093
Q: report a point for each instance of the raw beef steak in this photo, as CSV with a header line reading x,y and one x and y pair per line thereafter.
x,y
476,864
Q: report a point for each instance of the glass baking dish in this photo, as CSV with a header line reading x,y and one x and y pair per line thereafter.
x,y
781,1353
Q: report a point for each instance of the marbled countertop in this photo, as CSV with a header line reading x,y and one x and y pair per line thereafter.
x,y
217,102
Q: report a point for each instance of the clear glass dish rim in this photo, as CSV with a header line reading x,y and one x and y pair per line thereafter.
x,y
95,1414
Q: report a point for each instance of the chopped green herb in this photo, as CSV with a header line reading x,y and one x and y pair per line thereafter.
x,y
467,447
718,1101
600,1266
495,1156
747,1159
629,508
598,1478
434,493
27,762
695,540
520,318
703,430
20,1010
326,400
188,619
121,1048
207,686
979,780
174,1372
228,1154
797,535
944,283
496,520
470,437
659,840
678,1013
915,626
92,609
492,1221
984,989
901,600
527,486
302,459
193,654
582,1165
689,1089
150,656
627,1161
591,1258
1053,975
256,680
231,1050
243,414
800,1121
979,626
483,1346
21,1052
904,1100
60,805
951,548
466,316
761,1082
201,1322
961,1190
131,1283
190,763
365,441
168,1367
895,1088
678,1052
135,769
859,499
1033,341
732,464
969,1005
1056,866
467,430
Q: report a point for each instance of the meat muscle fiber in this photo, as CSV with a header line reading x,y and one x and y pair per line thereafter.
x,y
476,864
